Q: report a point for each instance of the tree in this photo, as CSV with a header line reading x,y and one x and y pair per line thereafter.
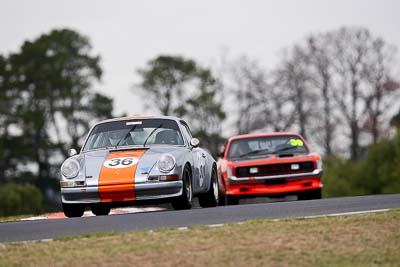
x,y
320,67
339,85
254,97
362,75
293,77
247,82
180,87
382,88
204,111
53,76
167,81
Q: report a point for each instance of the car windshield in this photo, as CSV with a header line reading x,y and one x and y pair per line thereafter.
x,y
258,146
134,132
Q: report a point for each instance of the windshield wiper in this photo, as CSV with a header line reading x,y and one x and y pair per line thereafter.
x,y
254,152
144,144
126,136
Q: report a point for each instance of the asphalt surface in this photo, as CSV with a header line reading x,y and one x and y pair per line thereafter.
x,y
49,229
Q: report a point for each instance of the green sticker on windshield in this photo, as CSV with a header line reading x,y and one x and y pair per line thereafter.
x,y
296,142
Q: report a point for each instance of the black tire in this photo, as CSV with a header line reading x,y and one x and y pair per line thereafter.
x,y
222,200
310,194
227,200
211,198
100,209
232,200
184,201
73,210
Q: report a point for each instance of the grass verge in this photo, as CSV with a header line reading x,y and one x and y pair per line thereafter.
x,y
358,240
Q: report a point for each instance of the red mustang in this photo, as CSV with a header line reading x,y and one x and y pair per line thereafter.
x,y
269,164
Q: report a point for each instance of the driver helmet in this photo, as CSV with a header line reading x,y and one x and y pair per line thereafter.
x,y
115,136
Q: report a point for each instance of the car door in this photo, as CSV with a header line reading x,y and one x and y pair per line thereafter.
x,y
199,162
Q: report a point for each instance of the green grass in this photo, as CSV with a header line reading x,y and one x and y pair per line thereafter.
x,y
358,240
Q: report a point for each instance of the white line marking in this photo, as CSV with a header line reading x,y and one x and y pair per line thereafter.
x,y
215,225
33,218
306,217
344,213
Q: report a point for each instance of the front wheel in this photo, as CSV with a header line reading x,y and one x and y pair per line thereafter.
x,y
73,210
100,209
310,194
210,198
228,200
232,200
184,201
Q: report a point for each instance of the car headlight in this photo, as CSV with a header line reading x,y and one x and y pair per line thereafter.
x,y
70,168
319,164
166,162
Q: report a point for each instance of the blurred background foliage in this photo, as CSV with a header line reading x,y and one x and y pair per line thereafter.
x,y
339,89
377,172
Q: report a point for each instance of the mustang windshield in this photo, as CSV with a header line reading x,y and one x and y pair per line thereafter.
x,y
249,147
134,132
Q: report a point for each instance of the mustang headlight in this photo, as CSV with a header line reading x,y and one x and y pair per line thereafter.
x,y
166,162
70,168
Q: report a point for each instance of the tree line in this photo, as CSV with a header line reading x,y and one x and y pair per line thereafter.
x,y
337,88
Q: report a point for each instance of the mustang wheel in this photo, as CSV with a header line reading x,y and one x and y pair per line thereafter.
x,y
184,201
211,198
310,194
73,210
100,209
232,200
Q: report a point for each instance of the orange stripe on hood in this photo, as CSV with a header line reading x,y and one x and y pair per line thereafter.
x,y
117,177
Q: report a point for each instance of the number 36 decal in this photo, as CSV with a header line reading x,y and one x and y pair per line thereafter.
x,y
120,162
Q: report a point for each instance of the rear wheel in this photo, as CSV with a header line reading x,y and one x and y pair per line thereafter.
x,y
184,201
211,198
100,209
310,194
73,210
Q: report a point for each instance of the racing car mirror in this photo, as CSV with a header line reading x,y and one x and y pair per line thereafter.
x,y
72,152
194,142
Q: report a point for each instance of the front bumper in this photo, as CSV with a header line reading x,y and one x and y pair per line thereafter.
x,y
142,191
276,184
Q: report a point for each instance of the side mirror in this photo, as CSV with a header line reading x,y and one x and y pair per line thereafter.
x,y
72,152
221,152
194,142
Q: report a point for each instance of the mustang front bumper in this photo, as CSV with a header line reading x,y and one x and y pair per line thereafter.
x,y
276,184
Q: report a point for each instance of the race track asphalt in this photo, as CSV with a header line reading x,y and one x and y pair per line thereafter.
x,y
49,229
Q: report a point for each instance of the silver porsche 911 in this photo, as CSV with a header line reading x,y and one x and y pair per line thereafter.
x,y
137,160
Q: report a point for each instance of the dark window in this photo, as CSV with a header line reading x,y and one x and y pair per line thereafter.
x,y
256,146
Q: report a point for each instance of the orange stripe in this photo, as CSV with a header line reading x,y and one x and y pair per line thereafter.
x,y
118,184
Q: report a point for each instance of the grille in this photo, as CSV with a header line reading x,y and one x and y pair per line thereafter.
x,y
275,169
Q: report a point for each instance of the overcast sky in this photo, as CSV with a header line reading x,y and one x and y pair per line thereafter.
x,y
127,34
